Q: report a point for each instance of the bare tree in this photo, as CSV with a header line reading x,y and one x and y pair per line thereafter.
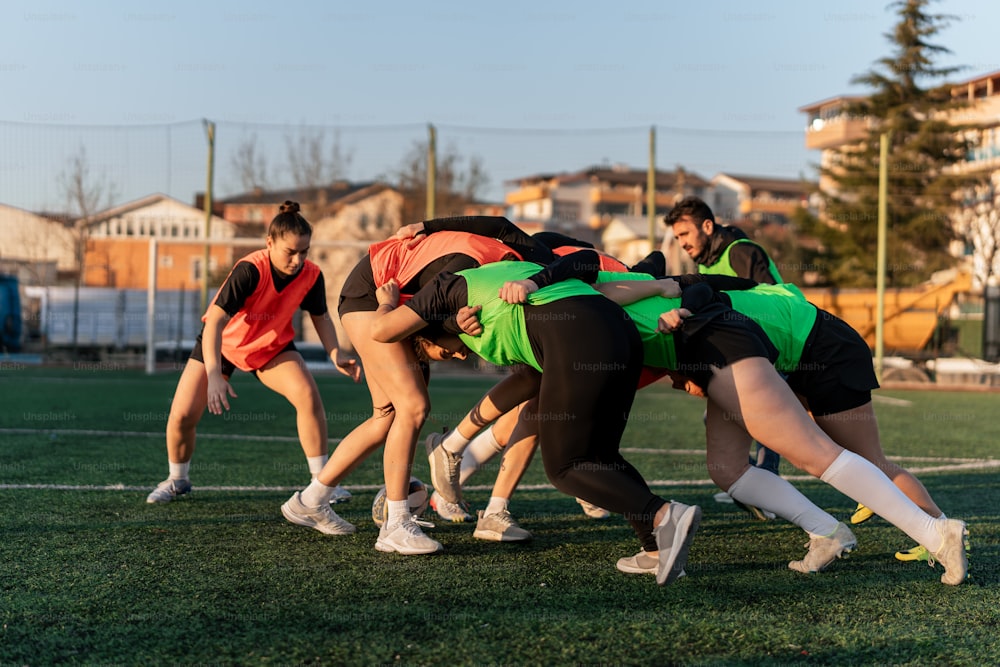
x,y
978,222
250,165
454,186
313,164
86,194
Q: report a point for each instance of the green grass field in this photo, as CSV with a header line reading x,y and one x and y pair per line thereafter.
x,y
91,574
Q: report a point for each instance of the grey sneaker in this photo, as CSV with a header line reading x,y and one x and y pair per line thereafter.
x,y
169,489
405,537
641,563
825,550
322,518
454,512
953,553
499,527
445,468
673,539
340,495
593,511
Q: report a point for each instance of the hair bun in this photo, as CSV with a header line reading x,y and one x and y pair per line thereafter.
x,y
289,207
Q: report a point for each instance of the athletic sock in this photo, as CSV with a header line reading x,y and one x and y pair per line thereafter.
x,y
863,482
179,470
316,464
769,492
454,442
495,506
398,511
316,494
480,449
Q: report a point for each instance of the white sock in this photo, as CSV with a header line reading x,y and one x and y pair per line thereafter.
x,y
861,481
454,442
316,494
495,506
398,511
179,470
480,449
316,464
772,493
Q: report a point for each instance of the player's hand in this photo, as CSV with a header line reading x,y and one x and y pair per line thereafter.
x,y
467,319
669,288
517,291
414,232
672,320
347,365
685,383
388,294
219,391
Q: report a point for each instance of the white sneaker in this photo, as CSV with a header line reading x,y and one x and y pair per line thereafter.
x,y
405,537
593,511
322,518
723,497
673,538
825,550
340,495
454,512
169,489
953,553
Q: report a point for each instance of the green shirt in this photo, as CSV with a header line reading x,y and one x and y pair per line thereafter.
x,y
658,348
724,267
504,340
783,313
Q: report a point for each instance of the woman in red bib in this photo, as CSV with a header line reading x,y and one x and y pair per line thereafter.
x,y
249,326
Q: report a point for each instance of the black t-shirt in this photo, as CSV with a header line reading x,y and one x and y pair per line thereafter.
x,y
437,302
243,281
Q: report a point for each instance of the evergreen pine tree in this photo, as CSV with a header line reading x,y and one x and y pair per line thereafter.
x,y
922,146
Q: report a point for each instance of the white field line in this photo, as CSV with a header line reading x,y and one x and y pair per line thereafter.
x,y
947,464
889,400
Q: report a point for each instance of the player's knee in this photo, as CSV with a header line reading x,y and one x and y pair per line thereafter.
x,y
182,421
415,411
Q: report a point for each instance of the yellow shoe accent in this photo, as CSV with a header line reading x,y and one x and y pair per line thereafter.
x,y
861,514
917,553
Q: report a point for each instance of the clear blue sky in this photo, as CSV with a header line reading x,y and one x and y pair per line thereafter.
x,y
527,87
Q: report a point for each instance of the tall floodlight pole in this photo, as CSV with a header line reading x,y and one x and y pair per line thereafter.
x,y
431,171
883,177
210,131
651,189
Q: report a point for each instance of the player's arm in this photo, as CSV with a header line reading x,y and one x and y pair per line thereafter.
x,y
719,283
231,299
582,265
625,292
492,226
393,324
219,390
346,364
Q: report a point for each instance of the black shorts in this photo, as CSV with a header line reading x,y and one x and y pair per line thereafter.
x,y
722,341
358,292
835,372
229,367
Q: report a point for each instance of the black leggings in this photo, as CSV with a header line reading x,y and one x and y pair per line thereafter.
x,y
591,358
